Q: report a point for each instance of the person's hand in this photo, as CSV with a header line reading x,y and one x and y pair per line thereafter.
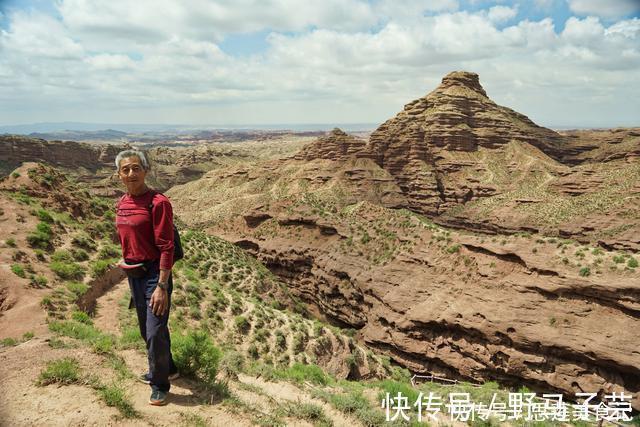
x,y
159,301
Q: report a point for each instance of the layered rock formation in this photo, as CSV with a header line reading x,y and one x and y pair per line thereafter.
x,y
421,145
336,146
466,308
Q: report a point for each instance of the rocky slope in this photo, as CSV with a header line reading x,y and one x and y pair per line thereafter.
x,y
94,164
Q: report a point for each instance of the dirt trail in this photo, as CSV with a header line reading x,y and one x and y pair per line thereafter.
x,y
106,314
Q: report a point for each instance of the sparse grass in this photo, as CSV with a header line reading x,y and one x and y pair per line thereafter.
x,y
453,249
77,288
115,395
68,270
100,267
61,371
11,242
18,270
585,271
307,411
39,281
8,342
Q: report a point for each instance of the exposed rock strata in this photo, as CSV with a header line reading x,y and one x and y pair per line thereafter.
x,y
505,313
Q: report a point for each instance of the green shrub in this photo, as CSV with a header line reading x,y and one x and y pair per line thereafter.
x,y
618,259
11,242
100,267
39,281
585,271
79,254
453,249
109,251
68,270
253,351
61,255
632,263
15,175
45,228
61,371
84,241
82,317
39,240
44,216
196,355
77,288
242,324
40,254
8,342
27,336
300,373
18,270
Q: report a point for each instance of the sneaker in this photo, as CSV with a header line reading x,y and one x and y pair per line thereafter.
x,y
158,398
146,378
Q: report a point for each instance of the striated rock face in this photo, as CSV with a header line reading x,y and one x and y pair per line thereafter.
x,y
336,146
486,311
16,149
416,145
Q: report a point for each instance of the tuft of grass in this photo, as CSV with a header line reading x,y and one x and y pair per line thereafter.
x,y
115,395
39,281
77,288
632,263
61,371
67,270
8,342
585,271
18,270
100,267
453,249
11,242
307,411
82,317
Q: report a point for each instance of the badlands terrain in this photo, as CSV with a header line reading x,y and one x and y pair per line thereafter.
x,y
459,239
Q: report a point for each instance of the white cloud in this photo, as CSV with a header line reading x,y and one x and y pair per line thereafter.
x,y
609,9
38,35
107,61
500,14
358,65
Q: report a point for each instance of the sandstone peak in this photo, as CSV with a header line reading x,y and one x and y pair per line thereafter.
x,y
465,79
336,145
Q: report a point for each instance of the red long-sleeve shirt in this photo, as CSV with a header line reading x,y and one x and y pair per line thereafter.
x,y
146,235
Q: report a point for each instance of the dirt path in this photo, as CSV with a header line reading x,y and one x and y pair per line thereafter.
x,y
106,317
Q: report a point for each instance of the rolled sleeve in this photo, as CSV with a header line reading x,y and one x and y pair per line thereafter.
x,y
163,232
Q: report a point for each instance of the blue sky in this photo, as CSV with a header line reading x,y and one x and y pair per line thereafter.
x,y
216,62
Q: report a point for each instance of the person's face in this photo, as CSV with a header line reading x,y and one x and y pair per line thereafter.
x,y
132,174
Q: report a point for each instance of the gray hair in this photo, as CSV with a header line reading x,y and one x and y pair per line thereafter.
x,y
132,153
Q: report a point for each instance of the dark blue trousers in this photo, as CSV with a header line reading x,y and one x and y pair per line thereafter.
x,y
154,329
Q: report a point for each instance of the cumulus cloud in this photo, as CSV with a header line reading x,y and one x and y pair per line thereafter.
x,y
328,61
605,8
499,14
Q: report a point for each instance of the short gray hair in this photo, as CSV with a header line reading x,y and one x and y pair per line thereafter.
x,y
132,153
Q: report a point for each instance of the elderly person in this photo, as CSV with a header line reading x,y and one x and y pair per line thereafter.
x,y
144,219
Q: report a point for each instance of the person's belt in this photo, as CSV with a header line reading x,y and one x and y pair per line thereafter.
x,y
136,270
